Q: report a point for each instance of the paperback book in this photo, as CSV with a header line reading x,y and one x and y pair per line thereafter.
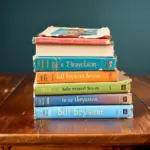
x,y
76,76
53,63
88,99
103,111
122,86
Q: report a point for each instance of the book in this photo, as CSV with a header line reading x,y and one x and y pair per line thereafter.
x,y
52,63
122,86
74,100
70,41
97,111
104,48
76,76
74,50
76,32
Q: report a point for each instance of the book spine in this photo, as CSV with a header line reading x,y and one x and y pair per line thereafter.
x,y
93,99
76,76
74,63
82,88
71,41
107,111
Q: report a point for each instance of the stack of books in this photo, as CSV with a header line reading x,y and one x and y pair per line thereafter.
x,y
76,75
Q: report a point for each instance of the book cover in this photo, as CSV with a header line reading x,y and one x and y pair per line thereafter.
x,y
122,86
76,32
103,111
51,63
76,76
74,100
70,41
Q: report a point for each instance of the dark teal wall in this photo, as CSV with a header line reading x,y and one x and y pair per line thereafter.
x,y
129,21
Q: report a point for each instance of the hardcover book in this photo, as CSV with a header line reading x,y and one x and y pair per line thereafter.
x,y
122,86
76,76
88,99
103,111
74,50
52,63
74,41
71,41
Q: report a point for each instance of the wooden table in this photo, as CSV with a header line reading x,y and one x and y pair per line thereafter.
x,y
18,129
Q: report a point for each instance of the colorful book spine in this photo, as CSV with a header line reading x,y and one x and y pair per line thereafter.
x,y
71,41
77,76
93,99
103,111
74,63
82,88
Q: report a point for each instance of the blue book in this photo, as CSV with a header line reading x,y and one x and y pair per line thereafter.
x,y
45,63
88,99
101,111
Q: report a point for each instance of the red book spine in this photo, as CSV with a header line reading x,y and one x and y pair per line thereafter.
x,y
71,41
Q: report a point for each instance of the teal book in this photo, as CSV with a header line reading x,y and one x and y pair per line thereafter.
x,y
98,111
121,86
73,63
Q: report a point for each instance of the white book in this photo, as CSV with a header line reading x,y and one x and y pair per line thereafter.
x,y
74,50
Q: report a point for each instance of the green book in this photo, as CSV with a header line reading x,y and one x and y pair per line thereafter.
x,y
121,86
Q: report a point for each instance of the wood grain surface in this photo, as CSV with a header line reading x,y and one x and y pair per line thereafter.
x,y
17,126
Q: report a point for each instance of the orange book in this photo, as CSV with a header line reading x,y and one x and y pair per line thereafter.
x,y
77,76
